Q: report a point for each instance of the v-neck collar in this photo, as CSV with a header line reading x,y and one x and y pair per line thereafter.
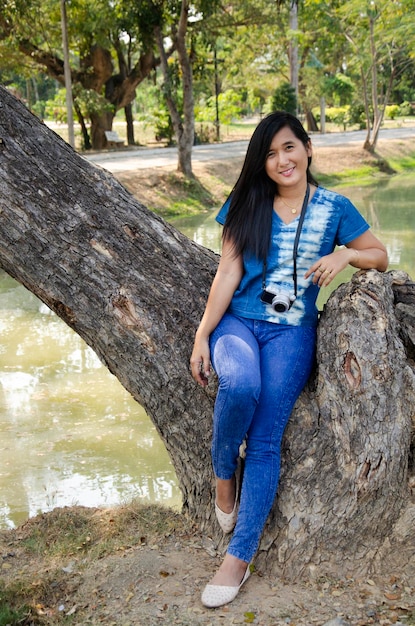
x,y
297,216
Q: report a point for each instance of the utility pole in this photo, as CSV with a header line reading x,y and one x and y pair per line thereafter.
x,y
67,74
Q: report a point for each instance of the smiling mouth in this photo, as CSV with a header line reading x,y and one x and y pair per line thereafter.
x,y
287,172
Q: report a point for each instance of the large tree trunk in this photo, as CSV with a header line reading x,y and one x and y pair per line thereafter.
x,y
134,288
128,283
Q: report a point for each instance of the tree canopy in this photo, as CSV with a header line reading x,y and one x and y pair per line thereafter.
x,y
356,54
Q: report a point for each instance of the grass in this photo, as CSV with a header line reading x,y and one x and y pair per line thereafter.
x,y
72,531
11,617
350,177
32,588
185,196
403,164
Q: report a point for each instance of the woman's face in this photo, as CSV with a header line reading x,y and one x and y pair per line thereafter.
x,y
287,160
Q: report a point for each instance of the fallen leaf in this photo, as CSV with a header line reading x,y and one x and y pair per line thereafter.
x,y
393,595
73,610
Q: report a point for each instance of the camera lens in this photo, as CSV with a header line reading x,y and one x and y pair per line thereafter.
x,y
281,303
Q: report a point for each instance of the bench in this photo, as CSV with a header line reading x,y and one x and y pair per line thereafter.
x,y
113,139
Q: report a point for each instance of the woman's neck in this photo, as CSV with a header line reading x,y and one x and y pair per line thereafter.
x,y
293,194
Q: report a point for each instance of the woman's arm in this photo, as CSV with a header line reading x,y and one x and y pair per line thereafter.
x,y
227,279
364,252
371,253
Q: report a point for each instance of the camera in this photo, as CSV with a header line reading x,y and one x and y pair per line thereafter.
x,y
280,301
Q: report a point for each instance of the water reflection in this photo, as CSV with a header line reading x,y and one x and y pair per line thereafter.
x,y
69,432
389,208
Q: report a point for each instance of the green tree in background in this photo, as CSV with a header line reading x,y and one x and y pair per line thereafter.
x,y
107,59
284,99
214,60
380,37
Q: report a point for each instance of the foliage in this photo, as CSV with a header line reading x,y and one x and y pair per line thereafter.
x,y
357,114
55,109
406,109
90,102
391,111
284,99
338,89
109,40
338,115
9,616
377,37
230,106
163,126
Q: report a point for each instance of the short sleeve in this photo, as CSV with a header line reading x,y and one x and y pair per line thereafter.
x,y
352,223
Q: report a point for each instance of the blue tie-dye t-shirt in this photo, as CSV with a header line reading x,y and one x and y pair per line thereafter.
x,y
331,220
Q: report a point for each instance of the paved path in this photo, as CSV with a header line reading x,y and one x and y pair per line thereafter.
x,y
142,158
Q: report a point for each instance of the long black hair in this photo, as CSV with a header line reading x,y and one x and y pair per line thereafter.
x,y
249,219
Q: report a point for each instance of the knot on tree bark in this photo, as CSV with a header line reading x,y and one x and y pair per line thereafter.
x,y
352,370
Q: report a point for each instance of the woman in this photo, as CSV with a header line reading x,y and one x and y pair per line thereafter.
x,y
259,327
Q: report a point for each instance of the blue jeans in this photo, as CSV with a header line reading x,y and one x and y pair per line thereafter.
x,y
262,368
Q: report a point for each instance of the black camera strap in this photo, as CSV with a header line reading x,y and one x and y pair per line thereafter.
x,y
296,241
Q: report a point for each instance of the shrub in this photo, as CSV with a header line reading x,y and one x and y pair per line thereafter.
x,y
391,111
357,115
338,115
405,109
284,99
163,126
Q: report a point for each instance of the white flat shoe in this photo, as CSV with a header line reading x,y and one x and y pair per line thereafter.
x,y
227,521
218,595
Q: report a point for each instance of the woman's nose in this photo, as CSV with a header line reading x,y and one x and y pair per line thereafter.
x,y
283,158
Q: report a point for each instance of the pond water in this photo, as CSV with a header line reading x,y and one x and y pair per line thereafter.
x,y
69,432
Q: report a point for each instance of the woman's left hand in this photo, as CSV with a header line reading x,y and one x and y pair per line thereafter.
x,y
327,267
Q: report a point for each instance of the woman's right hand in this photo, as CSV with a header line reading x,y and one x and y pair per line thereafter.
x,y
200,361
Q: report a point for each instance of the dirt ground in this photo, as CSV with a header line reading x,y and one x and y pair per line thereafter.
x,y
154,572
158,580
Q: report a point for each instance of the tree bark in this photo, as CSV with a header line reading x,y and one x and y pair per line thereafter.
x,y
345,502
134,288
184,125
187,135
293,48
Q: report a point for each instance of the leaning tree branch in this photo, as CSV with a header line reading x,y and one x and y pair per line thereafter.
x,y
134,289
